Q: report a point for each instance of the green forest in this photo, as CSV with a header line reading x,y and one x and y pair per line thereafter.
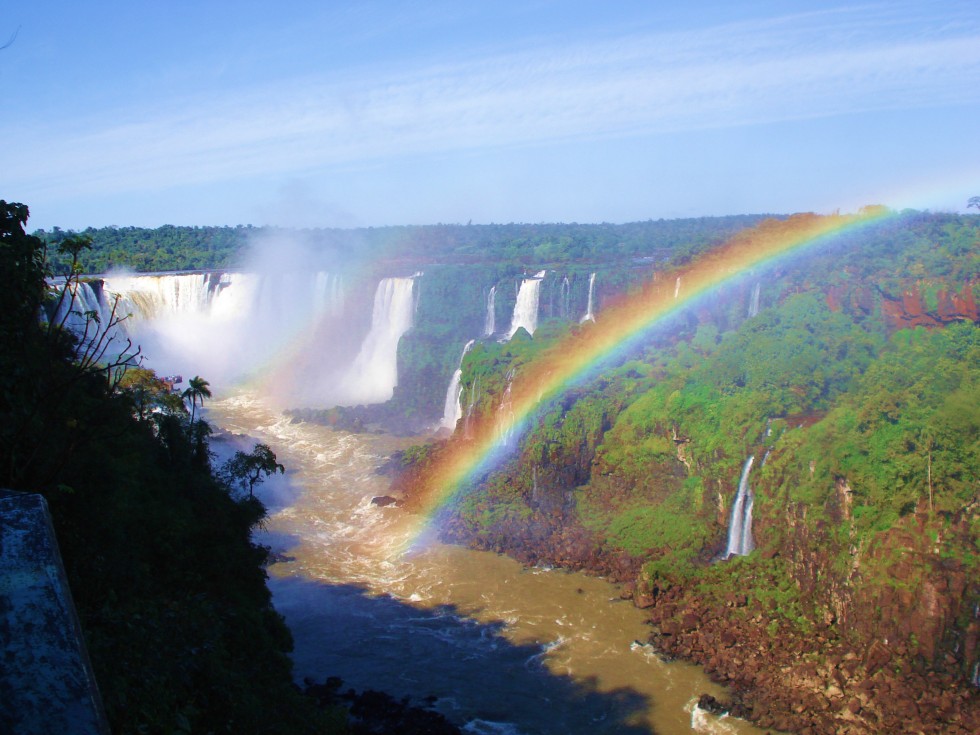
x,y
849,375
855,388
156,544
170,248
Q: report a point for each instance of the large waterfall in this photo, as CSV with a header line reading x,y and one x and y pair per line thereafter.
x,y
740,529
374,374
589,311
526,308
223,326
453,410
490,322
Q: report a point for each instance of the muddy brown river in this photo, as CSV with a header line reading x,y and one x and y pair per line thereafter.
x,y
496,647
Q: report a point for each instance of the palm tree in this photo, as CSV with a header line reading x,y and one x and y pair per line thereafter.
x,y
198,389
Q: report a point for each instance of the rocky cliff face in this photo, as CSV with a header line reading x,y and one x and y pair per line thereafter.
x,y
912,308
916,304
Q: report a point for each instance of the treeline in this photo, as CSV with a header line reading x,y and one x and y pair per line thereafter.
x,y
170,248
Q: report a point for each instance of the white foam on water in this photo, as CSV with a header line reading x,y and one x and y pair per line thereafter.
x,y
705,722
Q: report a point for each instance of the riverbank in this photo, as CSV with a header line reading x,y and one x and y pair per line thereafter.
x,y
814,685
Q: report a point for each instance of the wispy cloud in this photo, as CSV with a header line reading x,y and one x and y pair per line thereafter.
x,y
798,67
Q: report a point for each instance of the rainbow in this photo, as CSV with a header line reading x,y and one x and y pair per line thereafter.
x,y
583,352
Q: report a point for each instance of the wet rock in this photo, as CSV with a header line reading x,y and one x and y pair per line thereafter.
x,y
384,501
712,705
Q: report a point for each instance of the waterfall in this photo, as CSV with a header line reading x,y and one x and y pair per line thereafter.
x,y
526,308
471,406
505,427
754,300
565,297
677,287
740,530
374,374
90,298
589,311
453,410
490,323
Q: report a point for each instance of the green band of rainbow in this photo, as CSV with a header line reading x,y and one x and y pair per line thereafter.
x,y
584,351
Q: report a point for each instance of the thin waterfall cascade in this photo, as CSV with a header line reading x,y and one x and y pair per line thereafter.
x,y
505,427
453,410
565,297
754,300
526,308
740,529
590,309
490,322
677,287
470,407
374,373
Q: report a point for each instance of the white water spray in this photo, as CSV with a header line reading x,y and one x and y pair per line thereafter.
x,y
677,287
526,308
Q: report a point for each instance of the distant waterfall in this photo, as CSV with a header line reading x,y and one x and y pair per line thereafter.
x,y
505,426
374,374
565,297
526,308
754,300
740,530
471,406
677,287
453,410
490,322
589,311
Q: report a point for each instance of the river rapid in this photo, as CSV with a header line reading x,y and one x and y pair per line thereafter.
x,y
497,648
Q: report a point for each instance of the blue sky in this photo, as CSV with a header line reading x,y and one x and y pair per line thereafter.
x,y
372,113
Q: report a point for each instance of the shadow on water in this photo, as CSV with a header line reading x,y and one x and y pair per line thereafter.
x,y
474,674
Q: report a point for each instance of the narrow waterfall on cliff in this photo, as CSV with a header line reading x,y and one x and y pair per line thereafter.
x,y
565,297
490,322
374,374
754,300
453,409
505,429
471,404
740,529
677,287
589,310
526,308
